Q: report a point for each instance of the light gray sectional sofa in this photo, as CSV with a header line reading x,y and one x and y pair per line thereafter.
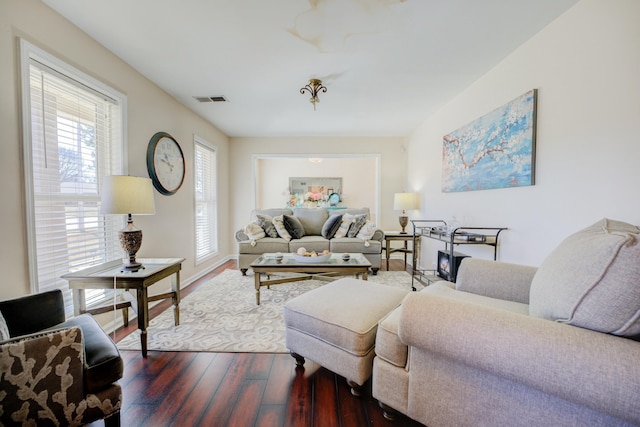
x,y
511,345
313,220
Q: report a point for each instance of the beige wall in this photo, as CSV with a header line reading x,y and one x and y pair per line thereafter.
x,y
359,175
586,66
244,151
169,233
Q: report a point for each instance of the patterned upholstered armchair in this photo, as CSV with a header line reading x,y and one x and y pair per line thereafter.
x,y
52,371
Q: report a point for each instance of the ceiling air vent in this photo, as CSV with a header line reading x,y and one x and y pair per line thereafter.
x,y
211,98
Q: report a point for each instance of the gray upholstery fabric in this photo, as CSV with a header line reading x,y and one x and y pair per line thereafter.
x,y
265,245
578,365
480,276
388,344
344,312
335,325
352,211
293,226
311,219
592,280
269,212
310,243
353,244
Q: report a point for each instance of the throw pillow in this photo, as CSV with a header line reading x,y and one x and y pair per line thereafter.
x,y
293,226
347,220
4,329
278,223
266,222
591,280
331,225
254,232
366,232
357,224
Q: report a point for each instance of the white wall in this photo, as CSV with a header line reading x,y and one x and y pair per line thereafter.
x,y
243,152
586,66
169,233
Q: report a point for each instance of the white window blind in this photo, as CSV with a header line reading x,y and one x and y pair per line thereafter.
x,y
205,200
73,137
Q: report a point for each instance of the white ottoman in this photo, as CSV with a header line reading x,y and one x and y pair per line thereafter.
x,y
335,325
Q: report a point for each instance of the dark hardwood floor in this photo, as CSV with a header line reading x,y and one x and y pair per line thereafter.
x,y
239,389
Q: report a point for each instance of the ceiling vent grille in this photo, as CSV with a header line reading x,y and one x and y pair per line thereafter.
x,y
211,98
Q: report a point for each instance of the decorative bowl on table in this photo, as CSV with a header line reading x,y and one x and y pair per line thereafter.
x,y
310,259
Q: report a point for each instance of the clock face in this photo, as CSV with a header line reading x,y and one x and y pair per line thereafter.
x,y
165,163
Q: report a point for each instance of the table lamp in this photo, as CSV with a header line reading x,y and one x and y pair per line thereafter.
x,y
128,195
404,202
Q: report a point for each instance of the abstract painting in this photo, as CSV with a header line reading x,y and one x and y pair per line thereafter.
x,y
496,150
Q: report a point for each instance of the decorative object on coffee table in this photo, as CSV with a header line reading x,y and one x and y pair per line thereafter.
x,y
404,202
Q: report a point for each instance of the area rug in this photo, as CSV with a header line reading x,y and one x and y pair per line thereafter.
x,y
222,316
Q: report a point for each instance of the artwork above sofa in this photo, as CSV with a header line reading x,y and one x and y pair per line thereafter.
x,y
315,229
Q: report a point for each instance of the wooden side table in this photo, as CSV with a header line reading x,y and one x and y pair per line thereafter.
x,y
109,276
391,236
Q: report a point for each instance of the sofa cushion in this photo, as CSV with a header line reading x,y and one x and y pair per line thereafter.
x,y
262,246
591,280
331,225
388,344
353,244
312,219
278,222
358,223
310,243
270,212
103,364
344,313
266,222
293,226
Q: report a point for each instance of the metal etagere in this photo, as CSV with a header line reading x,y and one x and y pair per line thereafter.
x,y
438,229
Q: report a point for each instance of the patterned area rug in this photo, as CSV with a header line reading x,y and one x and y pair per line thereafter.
x,y
222,316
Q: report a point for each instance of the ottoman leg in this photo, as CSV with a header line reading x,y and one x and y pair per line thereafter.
x,y
388,412
356,390
299,359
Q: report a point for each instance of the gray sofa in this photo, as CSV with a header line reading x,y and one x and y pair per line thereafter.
x,y
313,220
510,345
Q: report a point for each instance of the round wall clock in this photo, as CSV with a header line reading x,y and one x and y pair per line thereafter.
x,y
165,163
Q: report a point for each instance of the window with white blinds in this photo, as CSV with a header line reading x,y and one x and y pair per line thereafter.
x,y
73,136
206,206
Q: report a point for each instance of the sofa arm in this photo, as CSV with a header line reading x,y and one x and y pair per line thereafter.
x,y
590,368
495,279
42,377
241,236
378,235
33,313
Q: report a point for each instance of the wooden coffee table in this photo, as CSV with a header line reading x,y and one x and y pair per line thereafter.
x,y
335,266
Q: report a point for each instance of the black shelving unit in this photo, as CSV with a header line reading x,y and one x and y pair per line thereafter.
x,y
438,229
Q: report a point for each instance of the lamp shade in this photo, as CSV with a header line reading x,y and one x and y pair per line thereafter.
x,y
405,201
127,195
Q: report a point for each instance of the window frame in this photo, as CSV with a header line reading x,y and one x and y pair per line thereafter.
x,y
198,141
65,71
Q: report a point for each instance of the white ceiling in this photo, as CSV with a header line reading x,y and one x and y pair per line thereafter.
x,y
387,64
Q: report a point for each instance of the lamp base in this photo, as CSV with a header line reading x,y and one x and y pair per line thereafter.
x,y
404,220
131,240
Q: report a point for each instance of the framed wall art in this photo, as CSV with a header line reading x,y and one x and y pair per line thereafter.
x,y
496,150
